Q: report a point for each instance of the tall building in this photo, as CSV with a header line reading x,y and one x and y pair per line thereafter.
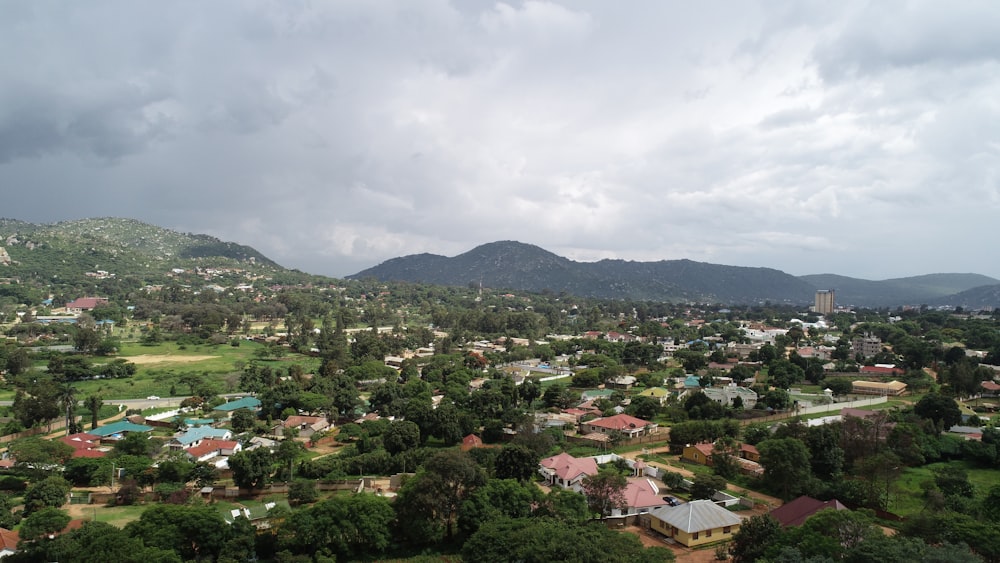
x,y
824,301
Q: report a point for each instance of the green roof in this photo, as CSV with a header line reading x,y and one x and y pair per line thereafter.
x,y
244,403
118,428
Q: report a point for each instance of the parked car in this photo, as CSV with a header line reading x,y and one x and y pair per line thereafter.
x,y
672,501
152,398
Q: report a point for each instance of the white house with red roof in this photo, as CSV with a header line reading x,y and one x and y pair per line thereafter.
x,y
209,449
630,426
566,471
641,496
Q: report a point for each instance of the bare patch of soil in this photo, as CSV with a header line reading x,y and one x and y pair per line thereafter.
x,y
147,359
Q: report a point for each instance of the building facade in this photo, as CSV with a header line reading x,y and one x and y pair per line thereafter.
x,y
824,301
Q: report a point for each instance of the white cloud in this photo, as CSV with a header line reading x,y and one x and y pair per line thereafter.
x,y
855,138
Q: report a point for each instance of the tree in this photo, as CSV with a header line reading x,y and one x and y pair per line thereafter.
x,y
94,404
430,501
839,385
499,498
940,409
251,469
347,527
755,536
705,486
302,491
725,452
193,532
516,462
786,465
243,420
401,436
605,492
777,399
43,522
541,540
40,455
49,492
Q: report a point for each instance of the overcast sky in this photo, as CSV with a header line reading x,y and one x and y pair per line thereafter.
x,y
858,138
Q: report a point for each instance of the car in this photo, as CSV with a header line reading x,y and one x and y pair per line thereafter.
x,y
672,501
152,398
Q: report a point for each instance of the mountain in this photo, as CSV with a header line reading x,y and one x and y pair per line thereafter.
x,y
69,249
927,289
977,298
515,265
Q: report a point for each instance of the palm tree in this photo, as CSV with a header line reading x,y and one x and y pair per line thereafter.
x,y
94,404
67,395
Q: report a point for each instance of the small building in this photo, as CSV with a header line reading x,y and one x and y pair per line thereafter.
x,y
695,523
118,429
209,449
471,442
193,437
796,512
747,459
82,304
729,393
641,496
306,425
229,408
8,542
566,471
84,445
661,394
630,426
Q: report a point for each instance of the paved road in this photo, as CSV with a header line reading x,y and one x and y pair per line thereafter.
x,y
145,403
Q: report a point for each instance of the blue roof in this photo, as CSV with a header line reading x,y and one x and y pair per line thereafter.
x,y
118,428
244,403
200,433
692,381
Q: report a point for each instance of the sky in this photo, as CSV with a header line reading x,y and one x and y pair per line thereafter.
x,y
856,138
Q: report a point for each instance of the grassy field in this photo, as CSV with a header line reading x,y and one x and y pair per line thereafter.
x,y
162,368
907,497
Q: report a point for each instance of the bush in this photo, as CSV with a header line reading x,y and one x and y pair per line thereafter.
x,y
11,483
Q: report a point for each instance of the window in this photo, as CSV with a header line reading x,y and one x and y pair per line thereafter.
x,y
694,536
708,533
726,529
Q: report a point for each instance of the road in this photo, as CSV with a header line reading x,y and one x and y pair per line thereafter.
x,y
145,403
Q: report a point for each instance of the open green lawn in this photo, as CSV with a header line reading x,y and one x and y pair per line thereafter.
x,y
160,369
117,516
907,497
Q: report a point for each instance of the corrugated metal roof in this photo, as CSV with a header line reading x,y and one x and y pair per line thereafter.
x,y
696,516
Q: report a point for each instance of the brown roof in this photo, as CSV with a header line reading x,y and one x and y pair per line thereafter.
x,y
799,510
8,539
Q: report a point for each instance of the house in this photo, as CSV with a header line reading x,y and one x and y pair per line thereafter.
x,y
471,442
567,471
796,512
893,388
695,523
622,382
630,426
8,542
229,408
82,304
306,425
747,458
641,496
116,430
193,437
726,395
209,449
991,389
661,394
84,445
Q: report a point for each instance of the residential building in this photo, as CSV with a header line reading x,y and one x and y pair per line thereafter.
x,y
748,458
306,425
726,395
566,471
118,429
82,304
695,523
230,407
630,426
471,442
193,437
641,496
796,512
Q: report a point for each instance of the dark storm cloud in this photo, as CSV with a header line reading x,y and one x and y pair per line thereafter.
x,y
335,135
